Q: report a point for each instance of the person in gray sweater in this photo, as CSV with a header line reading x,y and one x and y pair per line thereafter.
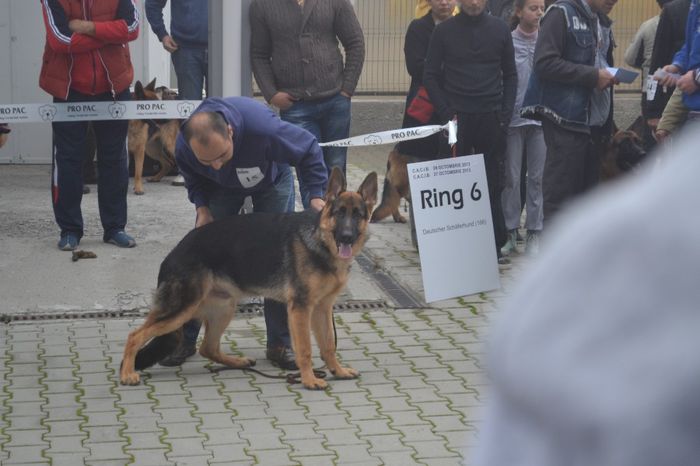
x,y
300,69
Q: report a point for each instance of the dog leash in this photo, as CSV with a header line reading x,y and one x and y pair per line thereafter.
x,y
291,378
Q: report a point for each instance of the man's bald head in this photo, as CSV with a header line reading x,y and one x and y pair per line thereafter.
x,y
201,125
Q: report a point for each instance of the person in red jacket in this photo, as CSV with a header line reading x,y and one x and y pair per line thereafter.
x,y
86,58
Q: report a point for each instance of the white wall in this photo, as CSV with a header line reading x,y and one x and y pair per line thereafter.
x,y
22,28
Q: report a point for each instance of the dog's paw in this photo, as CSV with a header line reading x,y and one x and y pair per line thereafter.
x,y
130,379
139,192
346,373
314,383
400,219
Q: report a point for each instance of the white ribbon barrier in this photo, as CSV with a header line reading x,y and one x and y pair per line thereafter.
x,y
86,111
180,109
396,135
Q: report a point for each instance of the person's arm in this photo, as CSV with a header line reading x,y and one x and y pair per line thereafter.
x,y
432,76
261,52
154,15
414,49
349,32
674,115
549,51
510,79
123,29
292,145
635,50
59,35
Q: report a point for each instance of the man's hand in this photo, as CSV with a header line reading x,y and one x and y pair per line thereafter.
x,y
669,80
317,204
282,100
169,44
345,94
203,216
661,135
652,123
82,27
605,79
687,83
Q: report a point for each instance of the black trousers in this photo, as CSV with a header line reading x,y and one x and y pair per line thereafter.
x,y
572,166
482,133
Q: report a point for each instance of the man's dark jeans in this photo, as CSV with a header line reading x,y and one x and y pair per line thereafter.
x,y
482,133
227,202
192,69
572,166
329,120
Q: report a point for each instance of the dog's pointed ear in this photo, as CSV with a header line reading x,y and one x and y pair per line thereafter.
x,y
152,85
368,191
138,90
336,185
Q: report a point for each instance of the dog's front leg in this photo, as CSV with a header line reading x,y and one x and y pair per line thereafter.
x,y
299,327
322,325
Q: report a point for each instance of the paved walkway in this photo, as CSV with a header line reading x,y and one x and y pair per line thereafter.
x,y
417,400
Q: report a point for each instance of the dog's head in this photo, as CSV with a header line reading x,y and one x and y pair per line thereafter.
x,y
151,92
345,216
624,152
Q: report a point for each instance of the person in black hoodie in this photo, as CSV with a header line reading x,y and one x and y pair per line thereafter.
x,y
570,91
670,36
470,74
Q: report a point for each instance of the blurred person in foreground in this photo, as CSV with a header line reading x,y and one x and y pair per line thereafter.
x,y
592,361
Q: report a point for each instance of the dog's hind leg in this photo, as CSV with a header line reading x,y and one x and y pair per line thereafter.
x,y
217,315
322,326
154,149
389,205
150,329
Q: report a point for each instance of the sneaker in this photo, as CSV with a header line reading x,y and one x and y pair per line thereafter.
x,y
68,242
518,237
282,357
510,246
180,355
178,181
532,242
122,240
503,261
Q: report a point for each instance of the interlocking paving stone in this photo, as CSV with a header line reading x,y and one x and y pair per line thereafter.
x,y
417,400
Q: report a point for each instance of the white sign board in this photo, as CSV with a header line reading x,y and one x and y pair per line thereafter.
x,y
452,212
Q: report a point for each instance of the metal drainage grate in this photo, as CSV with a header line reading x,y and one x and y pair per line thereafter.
x,y
251,309
402,296
27,317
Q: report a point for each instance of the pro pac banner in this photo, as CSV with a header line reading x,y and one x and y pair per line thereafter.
x,y
450,199
87,111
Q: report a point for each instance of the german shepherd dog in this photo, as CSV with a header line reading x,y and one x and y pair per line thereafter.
x,y
302,259
624,151
158,143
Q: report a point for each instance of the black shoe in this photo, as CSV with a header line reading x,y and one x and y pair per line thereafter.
x,y
282,357
177,357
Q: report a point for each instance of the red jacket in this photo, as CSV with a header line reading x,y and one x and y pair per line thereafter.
x,y
88,64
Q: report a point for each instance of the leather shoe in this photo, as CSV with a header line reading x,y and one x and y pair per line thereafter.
x,y
181,353
282,357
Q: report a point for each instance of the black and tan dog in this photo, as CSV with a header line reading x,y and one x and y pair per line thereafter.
x,y
153,138
302,259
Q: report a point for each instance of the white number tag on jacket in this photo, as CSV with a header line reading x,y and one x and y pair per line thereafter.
x,y
249,177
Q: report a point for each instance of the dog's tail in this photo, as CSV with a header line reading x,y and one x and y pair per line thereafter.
x,y
157,349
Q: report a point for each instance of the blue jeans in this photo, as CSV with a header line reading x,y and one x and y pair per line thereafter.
x,y
226,202
328,119
191,67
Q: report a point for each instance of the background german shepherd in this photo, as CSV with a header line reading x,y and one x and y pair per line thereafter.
x,y
155,138
302,259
